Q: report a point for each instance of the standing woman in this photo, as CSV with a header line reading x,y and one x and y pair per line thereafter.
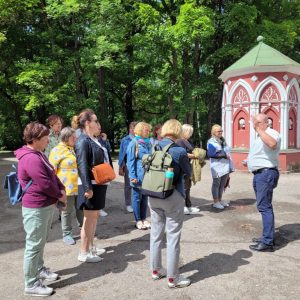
x,y
37,205
139,146
187,132
54,122
63,159
91,197
167,214
220,164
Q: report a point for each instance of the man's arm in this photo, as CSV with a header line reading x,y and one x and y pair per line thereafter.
x,y
267,139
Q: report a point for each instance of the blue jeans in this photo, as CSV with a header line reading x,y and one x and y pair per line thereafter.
x,y
263,184
139,204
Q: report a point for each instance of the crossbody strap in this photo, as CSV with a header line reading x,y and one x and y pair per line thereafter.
x,y
26,187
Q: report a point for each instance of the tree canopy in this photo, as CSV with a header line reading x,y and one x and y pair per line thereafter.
x,y
129,60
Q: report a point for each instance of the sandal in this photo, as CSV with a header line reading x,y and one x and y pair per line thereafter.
x,y
139,225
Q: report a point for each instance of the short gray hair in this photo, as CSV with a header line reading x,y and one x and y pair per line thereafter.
x,y
66,133
187,131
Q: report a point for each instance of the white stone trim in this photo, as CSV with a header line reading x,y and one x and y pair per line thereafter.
x,y
225,93
292,83
294,69
244,84
228,125
265,82
284,125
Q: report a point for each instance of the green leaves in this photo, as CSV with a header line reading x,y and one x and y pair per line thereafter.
x,y
129,60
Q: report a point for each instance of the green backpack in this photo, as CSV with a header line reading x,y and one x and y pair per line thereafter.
x,y
158,177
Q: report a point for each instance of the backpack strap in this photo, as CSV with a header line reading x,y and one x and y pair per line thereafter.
x,y
26,188
165,151
166,148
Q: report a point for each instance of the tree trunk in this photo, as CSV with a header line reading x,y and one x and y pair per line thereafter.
x,y
101,95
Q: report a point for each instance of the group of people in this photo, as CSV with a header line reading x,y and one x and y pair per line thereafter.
x,y
66,180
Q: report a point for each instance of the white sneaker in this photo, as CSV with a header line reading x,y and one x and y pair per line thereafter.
x,y
46,274
158,274
147,224
89,257
103,213
218,205
178,282
193,209
224,203
129,209
38,289
186,211
97,251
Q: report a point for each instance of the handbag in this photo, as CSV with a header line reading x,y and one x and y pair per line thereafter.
x,y
103,173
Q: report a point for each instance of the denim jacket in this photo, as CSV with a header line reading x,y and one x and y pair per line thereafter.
x,y
220,160
125,141
180,164
134,164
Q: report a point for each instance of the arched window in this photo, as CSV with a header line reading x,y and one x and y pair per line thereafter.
x,y
242,124
291,124
270,122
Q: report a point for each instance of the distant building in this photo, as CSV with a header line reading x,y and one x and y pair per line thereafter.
x,y
263,80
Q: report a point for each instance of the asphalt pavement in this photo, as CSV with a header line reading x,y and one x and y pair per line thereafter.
x,y
215,252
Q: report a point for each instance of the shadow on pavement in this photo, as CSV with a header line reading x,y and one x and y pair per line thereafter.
x,y
116,260
234,204
216,264
286,234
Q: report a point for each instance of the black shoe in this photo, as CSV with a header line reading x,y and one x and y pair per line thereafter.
x,y
258,240
261,247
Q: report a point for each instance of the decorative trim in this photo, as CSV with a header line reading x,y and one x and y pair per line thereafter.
x,y
243,83
264,83
254,78
260,69
285,77
292,83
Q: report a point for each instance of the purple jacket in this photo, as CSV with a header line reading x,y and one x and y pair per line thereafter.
x,y
46,187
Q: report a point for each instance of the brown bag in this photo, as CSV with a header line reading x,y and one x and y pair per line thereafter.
x,y
103,173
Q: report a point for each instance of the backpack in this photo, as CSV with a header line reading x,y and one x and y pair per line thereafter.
x,y
156,182
13,187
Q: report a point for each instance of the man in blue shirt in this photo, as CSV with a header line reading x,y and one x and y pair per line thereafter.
x,y
123,171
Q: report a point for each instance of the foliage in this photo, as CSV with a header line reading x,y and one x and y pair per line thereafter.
x,y
129,60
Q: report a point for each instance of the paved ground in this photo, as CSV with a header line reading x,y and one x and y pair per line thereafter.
x,y
214,249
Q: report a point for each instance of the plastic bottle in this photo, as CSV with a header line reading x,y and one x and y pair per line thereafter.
x,y
169,174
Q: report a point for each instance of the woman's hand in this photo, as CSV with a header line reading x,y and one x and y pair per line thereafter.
x,y
63,198
121,171
88,194
134,181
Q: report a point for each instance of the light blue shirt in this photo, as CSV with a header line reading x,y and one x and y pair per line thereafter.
x,y
262,156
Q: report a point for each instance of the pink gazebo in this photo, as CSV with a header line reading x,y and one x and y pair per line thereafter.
x,y
263,80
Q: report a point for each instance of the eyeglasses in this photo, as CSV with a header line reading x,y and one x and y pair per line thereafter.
x,y
220,131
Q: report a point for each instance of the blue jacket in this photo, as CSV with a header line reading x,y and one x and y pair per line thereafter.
x,y
125,141
134,164
220,160
180,164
